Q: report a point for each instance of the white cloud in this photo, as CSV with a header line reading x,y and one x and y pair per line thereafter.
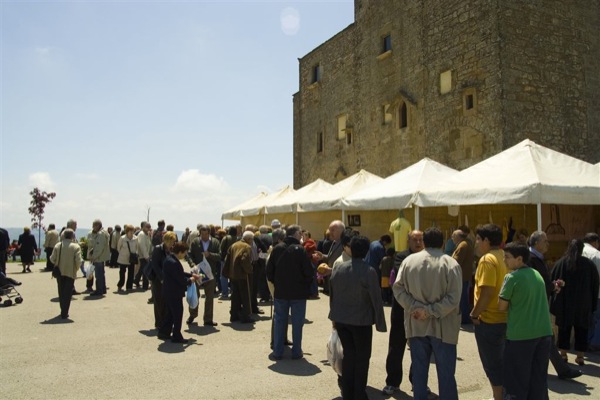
x,y
290,21
89,177
41,180
192,180
43,51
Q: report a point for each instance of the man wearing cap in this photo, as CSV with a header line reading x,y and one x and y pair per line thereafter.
x,y
237,267
275,224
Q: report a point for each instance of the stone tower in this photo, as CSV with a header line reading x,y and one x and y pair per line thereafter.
x,y
456,81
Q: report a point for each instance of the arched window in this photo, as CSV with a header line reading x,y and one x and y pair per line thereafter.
x,y
403,116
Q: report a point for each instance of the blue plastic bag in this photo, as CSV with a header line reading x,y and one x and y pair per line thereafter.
x,y
191,296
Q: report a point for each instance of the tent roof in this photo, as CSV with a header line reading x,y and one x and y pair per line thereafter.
x,y
332,197
234,212
289,202
259,207
397,191
526,173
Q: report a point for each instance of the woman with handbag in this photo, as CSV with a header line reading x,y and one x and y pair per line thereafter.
x,y
574,304
128,258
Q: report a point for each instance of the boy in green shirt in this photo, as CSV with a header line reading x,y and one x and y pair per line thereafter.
x,y
528,332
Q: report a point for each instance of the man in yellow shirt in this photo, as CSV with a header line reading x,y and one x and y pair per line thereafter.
x,y
489,322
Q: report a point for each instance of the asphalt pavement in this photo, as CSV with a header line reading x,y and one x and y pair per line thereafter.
x,y
108,349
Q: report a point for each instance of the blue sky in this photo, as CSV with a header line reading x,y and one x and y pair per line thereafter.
x,y
183,107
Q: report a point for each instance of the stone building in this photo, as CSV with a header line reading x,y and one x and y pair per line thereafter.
x,y
456,81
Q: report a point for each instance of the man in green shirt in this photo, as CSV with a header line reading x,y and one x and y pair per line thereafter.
x,y
528,330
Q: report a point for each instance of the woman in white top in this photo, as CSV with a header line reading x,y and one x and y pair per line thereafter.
x,y
128,245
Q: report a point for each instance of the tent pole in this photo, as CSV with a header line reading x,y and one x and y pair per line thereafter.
x,y
417,221
296,217
539,216
343,216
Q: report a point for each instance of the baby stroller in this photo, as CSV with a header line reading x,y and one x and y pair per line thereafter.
x,y
8,291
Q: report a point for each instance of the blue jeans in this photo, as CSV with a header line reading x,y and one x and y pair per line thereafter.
x,y
224,283
490,340
445,364
100,277
282,310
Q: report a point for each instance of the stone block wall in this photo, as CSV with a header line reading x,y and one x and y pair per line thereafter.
x,y
474,77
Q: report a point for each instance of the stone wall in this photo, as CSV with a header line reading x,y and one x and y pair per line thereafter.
x,y
510,69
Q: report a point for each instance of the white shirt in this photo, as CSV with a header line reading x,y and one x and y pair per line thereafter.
x,y
593,254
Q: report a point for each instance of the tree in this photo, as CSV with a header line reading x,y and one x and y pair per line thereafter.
x,y
39,199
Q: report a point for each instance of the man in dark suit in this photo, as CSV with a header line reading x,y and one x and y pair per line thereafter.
x,y
206,246
538,246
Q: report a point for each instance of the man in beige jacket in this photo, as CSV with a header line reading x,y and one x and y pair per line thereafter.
x,y
67,256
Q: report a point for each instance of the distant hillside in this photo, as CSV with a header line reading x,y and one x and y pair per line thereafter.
x,y
14,233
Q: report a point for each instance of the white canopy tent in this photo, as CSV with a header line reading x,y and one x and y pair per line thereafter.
x,y
526,173
258,207
398,191
332,198
235,213
290,202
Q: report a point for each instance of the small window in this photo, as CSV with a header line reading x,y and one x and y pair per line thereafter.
x,y
348,136
320,142
469,104
403,116
446,82
469,101
387,43
316,74
386,115
342,119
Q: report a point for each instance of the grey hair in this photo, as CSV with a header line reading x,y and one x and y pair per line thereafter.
x,y
97,222
535,237
69,233
71,223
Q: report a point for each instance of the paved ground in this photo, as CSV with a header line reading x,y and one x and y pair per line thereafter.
x,y
109,351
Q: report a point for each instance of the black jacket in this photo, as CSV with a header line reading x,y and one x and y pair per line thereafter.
x,y
290,270
577,300
540,266
176,280
159,254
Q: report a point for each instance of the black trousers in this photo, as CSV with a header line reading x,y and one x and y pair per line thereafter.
x,y
254,278
396,346
130,269
65,291
240,300
3,259
357,342
114,254
160,308
526,368
48,251
173,317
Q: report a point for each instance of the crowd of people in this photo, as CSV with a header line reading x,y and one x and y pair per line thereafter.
x,y
505,290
